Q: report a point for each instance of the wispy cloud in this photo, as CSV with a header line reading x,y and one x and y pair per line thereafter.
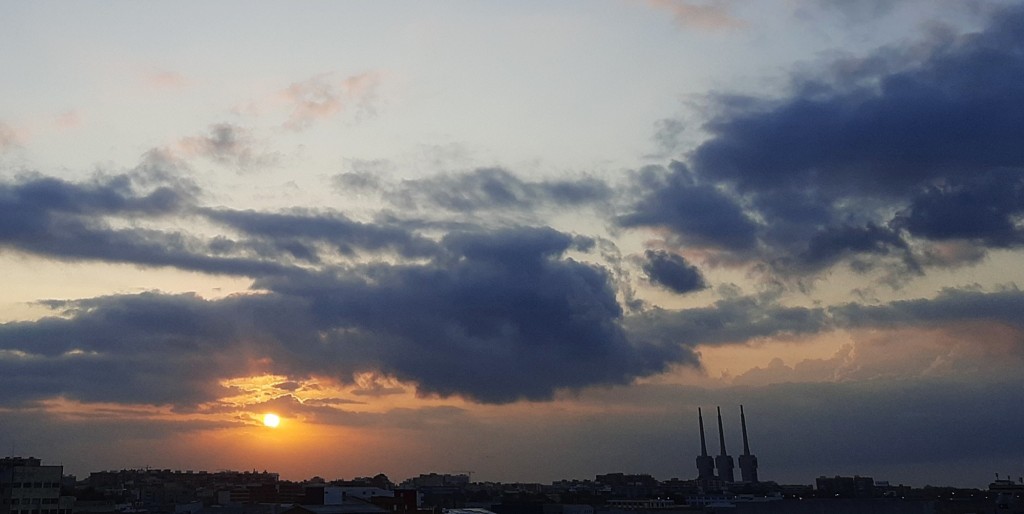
x,y
9,137
318,99
165,80
67,120
323,97
230,145
700,15
946,350
497,189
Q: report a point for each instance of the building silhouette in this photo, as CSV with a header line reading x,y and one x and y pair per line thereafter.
x,y
723,463
29,487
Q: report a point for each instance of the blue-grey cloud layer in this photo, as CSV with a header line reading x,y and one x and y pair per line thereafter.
x,y
672,271
491,315
857,163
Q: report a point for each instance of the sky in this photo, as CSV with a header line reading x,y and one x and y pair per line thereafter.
x,y
526,240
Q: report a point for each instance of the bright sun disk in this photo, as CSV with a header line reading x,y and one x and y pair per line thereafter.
x,y
271,420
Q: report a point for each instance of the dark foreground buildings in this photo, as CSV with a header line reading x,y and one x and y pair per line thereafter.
x,y
29,487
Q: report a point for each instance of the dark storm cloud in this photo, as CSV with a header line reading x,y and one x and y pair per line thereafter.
x,y
74,221
953,114
984,208
66,220
490,315
672,271
730,320
496,189
745,318
497,317
296,230
501,317
62,219
930,135
700,213
832,243
951,305
37,198
149,348
493,316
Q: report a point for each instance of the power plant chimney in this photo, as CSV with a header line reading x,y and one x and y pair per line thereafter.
x,y
723,462
705,464
748,462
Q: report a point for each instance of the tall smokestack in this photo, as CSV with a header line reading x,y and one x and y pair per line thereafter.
x,y
748,462
703,444
743,425
705,464
721,433
723,462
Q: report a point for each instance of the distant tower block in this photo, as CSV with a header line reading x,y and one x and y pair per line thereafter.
x,y
748,462
723,462
705,464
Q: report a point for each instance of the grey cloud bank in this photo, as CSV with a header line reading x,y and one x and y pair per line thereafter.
x,y
854,166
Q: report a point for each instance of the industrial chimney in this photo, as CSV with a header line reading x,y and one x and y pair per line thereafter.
x,y
748,462
705,464
723,462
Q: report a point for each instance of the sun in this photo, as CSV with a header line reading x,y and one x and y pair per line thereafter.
x,y
271,420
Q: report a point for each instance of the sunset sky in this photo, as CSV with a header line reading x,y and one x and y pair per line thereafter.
x,y
524,239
